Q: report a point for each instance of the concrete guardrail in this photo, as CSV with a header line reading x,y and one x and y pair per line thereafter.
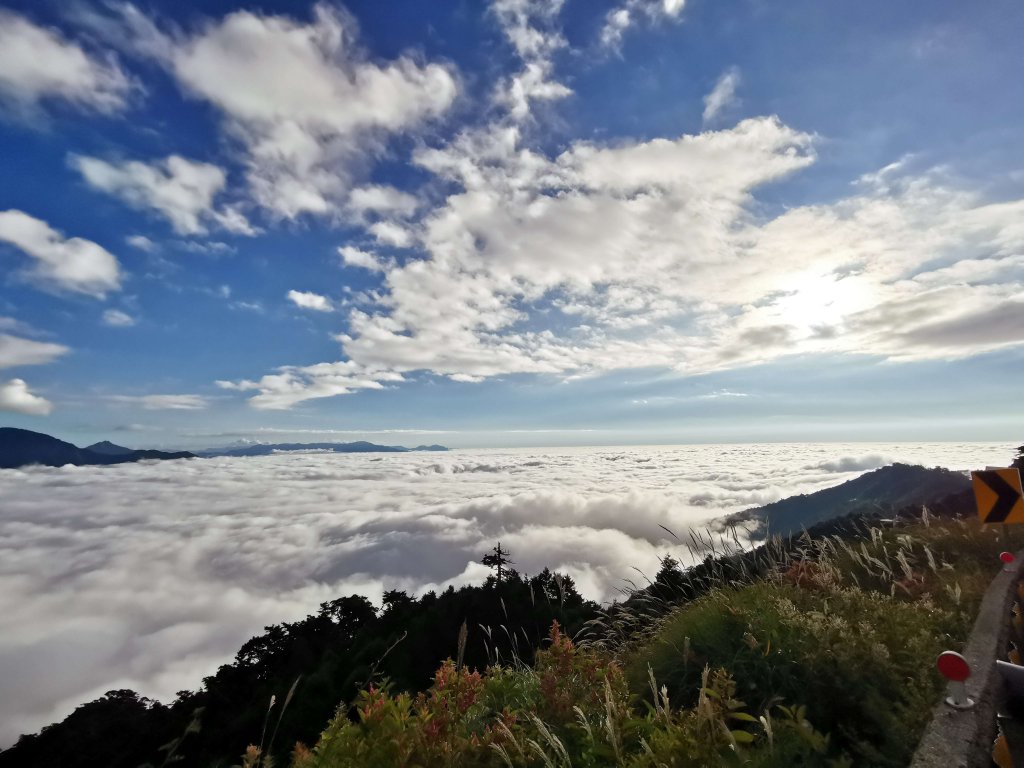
x,y
963,738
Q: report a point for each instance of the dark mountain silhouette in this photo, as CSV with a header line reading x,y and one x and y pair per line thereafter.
x,y
881,491
21,447
360,446
108,448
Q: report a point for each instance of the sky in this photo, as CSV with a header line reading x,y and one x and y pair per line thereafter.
x,y
519,222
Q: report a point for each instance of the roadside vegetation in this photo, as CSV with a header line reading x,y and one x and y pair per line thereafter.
x,y
825,658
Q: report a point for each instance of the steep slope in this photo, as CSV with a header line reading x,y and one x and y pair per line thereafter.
x,y
883,490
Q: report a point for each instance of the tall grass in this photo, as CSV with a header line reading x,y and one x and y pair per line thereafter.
x,y
813,650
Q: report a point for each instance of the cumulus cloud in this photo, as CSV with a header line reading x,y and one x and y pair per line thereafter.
x,y
163,402
180,190
15,397
115,318
71,264
228,546
307,106
39,65
16,351
910,266
624,16
525,228
309,300
723,95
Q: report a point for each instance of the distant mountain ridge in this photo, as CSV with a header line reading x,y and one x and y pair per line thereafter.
x,y
883,490
359,446
22,447
108,448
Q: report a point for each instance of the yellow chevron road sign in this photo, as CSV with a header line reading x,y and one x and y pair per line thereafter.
x,y
999,495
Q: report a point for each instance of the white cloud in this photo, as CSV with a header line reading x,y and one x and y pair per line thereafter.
x,y
354,257
231,545
381,199
16,326
72,264
525,227
115,318
180,190
295,384
164,402
659,253
16,351
720,393
309,300
15,397
529,26
623,17
39,65
652,252
390,233
141,242
307,106
211,247
615,25
723,95
247,306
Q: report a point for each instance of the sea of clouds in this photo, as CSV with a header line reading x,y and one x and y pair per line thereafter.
x,y
148,576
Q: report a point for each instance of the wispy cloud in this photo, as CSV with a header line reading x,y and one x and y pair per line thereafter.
x,y
39,65
722,96
163,402
115,318
625,15
16,351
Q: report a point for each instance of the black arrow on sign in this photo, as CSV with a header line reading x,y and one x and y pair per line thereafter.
x,y
1006,496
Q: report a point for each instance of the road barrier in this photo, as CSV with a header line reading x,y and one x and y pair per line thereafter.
x,y
963,738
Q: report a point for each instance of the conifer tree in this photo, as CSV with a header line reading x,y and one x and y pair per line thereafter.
x,y
497,559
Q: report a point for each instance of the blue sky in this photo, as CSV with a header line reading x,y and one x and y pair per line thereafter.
x,y
521,222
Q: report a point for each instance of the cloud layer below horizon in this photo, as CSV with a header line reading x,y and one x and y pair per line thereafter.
x,y
148,576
